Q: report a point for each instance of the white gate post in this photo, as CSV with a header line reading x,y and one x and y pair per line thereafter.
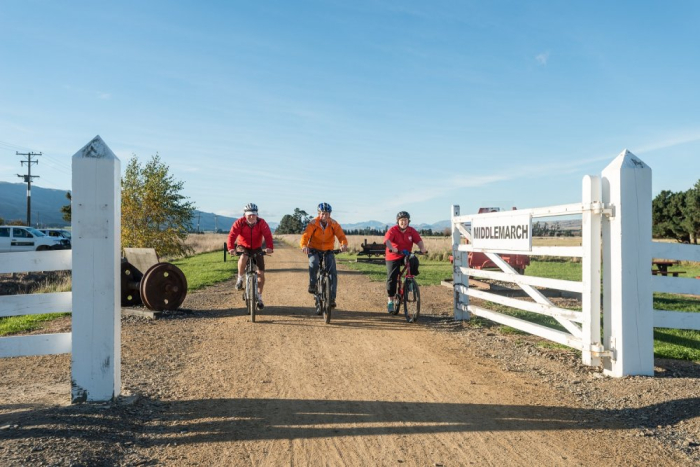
x,y
627,304
96,219
459,280
590,298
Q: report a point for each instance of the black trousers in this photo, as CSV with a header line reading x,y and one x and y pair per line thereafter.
x,y
392,273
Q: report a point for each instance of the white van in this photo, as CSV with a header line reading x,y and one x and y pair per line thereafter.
x,y
61,234
17,238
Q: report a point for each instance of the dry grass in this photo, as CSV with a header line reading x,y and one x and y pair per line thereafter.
x,y
207,242
439,248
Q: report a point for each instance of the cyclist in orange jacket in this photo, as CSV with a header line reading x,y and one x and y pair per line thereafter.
x,y
246,237
320,235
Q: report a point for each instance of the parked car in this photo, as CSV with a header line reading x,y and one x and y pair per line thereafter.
x,y
18,238
61,234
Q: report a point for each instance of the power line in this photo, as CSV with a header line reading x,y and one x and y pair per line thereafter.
x,y
28,180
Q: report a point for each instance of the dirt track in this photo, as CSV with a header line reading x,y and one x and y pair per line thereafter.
x,y
211,388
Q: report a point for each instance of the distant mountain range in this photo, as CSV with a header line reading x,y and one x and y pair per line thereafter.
x,y
47,203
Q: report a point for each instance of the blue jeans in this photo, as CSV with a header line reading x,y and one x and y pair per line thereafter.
x,y
329,259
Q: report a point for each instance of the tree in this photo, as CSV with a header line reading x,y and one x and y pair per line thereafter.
x,y
66,210
691,220
154,213
294,223
667,214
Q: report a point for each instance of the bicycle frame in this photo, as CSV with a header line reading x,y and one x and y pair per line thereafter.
x,y
407,291
324,283
250,294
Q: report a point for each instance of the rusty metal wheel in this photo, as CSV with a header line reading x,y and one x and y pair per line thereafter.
x,y
130,278
163,287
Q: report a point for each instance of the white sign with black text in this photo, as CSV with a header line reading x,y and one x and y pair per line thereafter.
x,y
511,233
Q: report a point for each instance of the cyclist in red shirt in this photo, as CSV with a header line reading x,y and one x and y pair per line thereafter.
x,y
399,238
246,236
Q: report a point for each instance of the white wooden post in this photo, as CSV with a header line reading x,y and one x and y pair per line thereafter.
x,y
590,298
628,307
460,282
96,219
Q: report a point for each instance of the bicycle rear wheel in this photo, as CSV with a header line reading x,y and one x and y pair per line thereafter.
x,y
326,291
411,300
251,287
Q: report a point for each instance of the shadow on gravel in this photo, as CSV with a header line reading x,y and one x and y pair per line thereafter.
x,y
151,422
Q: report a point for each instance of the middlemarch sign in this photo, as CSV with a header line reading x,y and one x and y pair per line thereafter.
x,y
511,233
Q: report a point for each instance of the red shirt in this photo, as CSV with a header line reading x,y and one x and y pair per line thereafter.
x,y
250,236
401,241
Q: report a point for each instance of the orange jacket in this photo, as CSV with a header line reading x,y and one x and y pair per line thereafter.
x,y
318,238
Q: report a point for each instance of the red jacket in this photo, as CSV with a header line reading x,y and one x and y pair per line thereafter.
x,y
250,236
401,241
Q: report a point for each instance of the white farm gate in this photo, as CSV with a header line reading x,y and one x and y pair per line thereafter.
x,y
95,340
616,238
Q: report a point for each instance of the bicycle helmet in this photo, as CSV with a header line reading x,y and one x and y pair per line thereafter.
x,y
403,214
250,208
324,207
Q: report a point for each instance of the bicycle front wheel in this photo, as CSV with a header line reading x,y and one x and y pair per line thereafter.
x,y
250,293
326,301
411,301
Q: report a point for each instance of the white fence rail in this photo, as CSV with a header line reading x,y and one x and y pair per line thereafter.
x,y
676,285
582,328
616,233
34,304
95,340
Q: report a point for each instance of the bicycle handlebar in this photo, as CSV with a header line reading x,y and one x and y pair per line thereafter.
x,y
408,253
313,250
257,253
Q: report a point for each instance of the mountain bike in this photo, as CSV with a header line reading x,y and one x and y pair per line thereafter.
x,y
324,284
407,291
250,292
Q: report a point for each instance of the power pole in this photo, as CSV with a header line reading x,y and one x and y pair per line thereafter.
x,y
28,180
216,225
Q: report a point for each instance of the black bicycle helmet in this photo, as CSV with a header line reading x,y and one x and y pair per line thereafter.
x,y
403,214
250,207
324,207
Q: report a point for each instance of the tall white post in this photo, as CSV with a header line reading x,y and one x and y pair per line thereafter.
x,y
590,298
627,304
96,220
460,282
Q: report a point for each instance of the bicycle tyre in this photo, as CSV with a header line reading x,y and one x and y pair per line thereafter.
x,y
326,291
398,298
411,301
251,291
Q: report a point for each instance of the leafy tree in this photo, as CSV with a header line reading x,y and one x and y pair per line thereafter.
x,y
2,221
668,211
154,213
691,220
66,210
294,223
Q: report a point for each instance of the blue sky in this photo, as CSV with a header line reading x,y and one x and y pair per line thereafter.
x,y
371,106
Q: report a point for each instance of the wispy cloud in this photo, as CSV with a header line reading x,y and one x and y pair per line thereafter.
x,y
542,58
691,136
98,94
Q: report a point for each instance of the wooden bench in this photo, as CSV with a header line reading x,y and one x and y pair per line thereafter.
x,y
656,272
372,249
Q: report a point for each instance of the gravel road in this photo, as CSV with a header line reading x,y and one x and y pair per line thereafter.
x,y
205,386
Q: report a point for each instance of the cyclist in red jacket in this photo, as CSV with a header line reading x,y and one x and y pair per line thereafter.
x,y
400,238
246,237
